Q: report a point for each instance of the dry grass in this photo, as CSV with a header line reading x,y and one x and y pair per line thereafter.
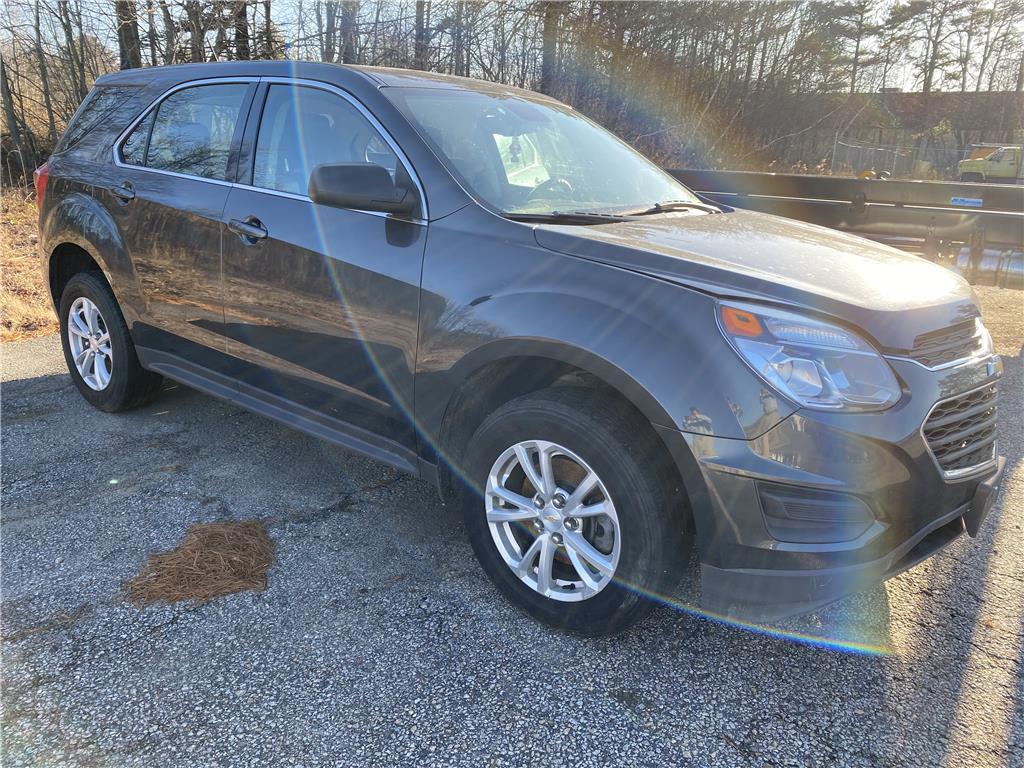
x,y
214,559
25,309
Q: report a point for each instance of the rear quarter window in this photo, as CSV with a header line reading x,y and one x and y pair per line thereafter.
x,y
102,116
133,149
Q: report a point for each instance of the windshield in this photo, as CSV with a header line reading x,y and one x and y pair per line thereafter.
x,y
530,157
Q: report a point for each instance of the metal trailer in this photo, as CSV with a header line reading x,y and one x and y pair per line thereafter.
x,y
976,229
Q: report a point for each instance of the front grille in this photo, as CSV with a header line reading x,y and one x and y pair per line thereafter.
x,y
961,431
946,344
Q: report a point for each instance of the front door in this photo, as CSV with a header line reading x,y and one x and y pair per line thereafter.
x,y
168,194
321,303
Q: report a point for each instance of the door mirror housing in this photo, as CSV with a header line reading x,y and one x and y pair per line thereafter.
x,y
362,186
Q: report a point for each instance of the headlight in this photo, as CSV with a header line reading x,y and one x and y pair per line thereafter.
x,y
816,364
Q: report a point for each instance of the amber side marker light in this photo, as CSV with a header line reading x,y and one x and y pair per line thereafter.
x,y
740,323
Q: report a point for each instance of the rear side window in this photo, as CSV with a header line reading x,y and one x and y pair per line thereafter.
x,y
191,132
302,128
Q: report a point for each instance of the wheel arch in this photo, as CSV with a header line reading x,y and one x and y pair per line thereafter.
x,y
568,355
68,259
511,368
79,234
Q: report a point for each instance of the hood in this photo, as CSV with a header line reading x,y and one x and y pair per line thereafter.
x,y
893,295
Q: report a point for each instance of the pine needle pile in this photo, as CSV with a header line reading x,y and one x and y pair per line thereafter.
x,y
214,559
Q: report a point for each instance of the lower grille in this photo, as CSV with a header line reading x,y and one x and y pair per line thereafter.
x,y
961,431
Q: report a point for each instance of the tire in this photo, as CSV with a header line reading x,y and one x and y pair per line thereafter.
x,y
972,178
651,528
125,383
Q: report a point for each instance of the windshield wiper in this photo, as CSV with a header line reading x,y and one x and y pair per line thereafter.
x,y
677,205
567,217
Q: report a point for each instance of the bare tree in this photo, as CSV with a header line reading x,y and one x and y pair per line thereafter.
x,y
242,48
196,22
422,34
128,42
44,77
170,33
549,42
725,84
268,31
349,20
13,126
75,54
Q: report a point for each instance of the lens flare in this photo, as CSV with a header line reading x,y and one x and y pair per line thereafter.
x,y
578,82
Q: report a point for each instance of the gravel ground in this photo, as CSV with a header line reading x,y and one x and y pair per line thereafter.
x,y
379,640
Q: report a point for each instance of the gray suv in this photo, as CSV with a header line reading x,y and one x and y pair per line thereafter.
x,y
479,286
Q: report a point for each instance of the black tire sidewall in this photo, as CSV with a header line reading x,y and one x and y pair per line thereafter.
x,y
646,526
114,396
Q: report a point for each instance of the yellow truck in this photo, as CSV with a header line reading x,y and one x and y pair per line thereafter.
x,y
1000,166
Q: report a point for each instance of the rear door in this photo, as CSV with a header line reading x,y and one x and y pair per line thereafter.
x,y
321,303
170,185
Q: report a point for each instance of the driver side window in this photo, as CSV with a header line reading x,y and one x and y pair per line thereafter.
x,y
303,127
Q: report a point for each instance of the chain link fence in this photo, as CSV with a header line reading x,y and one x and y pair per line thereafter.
x,y
933,159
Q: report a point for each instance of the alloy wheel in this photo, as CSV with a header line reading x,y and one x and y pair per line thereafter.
x,y
89,340
552,520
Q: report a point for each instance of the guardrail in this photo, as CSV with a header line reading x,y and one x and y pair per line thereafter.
x,y
977,229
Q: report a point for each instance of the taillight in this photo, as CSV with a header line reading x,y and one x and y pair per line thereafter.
x,y
40,177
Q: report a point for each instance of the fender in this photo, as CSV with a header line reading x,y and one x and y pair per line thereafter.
x,y
676,442
656,343
83,221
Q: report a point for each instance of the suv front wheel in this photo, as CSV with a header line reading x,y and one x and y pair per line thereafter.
x,y
573,511
98,348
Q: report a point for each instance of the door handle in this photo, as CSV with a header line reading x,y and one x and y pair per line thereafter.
x,y
124,192
249,229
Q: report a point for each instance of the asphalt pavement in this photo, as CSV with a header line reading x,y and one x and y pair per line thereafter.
x,y
379,641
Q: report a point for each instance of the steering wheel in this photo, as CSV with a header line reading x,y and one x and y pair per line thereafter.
x,y
558,187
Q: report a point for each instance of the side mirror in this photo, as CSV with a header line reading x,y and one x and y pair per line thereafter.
x,y
363,186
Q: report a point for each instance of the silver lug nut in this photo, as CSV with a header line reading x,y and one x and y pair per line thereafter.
x,y
538,526
558,502
571,523
538,502
557,538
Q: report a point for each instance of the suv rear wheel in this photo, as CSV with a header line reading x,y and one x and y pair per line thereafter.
x,y
570,513
98,348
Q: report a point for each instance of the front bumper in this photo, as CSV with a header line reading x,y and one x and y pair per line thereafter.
x,y
769,594
877,468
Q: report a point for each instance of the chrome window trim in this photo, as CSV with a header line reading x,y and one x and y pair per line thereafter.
x,y
305,198
123,136
276,192
377,125
963,473
188,176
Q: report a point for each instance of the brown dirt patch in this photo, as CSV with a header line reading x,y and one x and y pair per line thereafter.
x,y
25,309
214,559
